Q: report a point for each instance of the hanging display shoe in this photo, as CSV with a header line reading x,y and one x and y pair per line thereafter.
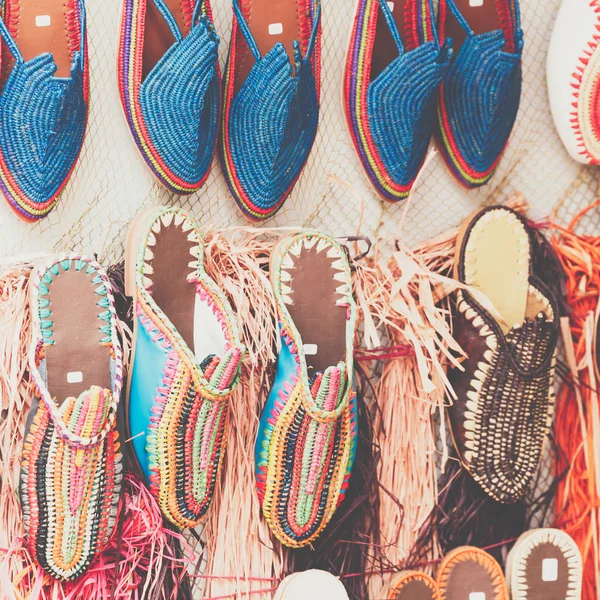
x,y
480,96
43,101
544,564
186,361
307,435
413,585
471,574
573,72
507,322
170,87
394,69
271,100
314,584
71,470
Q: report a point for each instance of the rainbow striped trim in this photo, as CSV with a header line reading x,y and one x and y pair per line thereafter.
x,y
129,68
357,80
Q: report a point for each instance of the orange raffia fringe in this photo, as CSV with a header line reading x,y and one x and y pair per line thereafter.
x,y
577,423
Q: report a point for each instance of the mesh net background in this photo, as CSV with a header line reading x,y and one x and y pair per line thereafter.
x,y
111,182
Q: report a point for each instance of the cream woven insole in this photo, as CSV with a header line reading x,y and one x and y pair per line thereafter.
x,y
497,263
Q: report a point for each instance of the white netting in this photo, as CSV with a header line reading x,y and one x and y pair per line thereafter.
x,y
111,181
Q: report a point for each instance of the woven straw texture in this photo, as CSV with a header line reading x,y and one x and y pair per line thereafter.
x,y
111,181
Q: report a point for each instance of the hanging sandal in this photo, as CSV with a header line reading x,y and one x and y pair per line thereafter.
x,y
480,96
507,321
471,574
544,564
307,435
314,584
169,84
271,101
43,101
413,585
71,470
186,362
394,69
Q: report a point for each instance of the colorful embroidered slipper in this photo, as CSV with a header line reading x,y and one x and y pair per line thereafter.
x,y
186,361
480,96
43,101
71,470
314,584
573,72
471,574
271,100
307,435
170,87
413,585
394,69
508,324
545,564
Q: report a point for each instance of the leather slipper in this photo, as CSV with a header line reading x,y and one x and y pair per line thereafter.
x,y
413,585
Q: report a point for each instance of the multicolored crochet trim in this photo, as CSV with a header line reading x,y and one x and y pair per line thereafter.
x,y
391,139
265,144
187,433
42,119
173,114
71,469
306,444
479,98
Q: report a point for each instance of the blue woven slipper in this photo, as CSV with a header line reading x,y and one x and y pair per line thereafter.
x,y
169,83
43,103
479,98
271,101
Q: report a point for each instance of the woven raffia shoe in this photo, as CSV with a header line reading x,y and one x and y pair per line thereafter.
x,y
471,574
170,87
573,72
271,100
43,101
394,69
307,435
544,563
480,96
186,362
414,585
71,469
508,323
314,583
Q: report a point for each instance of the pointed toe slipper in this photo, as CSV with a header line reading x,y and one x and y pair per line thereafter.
x,y
394,69
545,564
573,73
480,96
307,434
471,574
186,362
169,84
271,101
413,585
507,322
43,101
71,468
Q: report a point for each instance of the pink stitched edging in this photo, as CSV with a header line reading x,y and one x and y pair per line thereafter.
x,y
577,78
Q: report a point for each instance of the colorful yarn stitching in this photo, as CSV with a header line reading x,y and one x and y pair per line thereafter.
x,y
391,117
270,125
479,99
42,120
173,114
71,469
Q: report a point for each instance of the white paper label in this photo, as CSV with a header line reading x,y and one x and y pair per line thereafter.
x,y
310,349
391,6
477,596
475,3
42,21
275,28
75,377
550,569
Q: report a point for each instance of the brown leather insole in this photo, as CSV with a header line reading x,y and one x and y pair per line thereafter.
x,y
384,48
157,35
481,19
262,14
537,589
414,590
468,577
52,36
313,310
77,337
170,287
